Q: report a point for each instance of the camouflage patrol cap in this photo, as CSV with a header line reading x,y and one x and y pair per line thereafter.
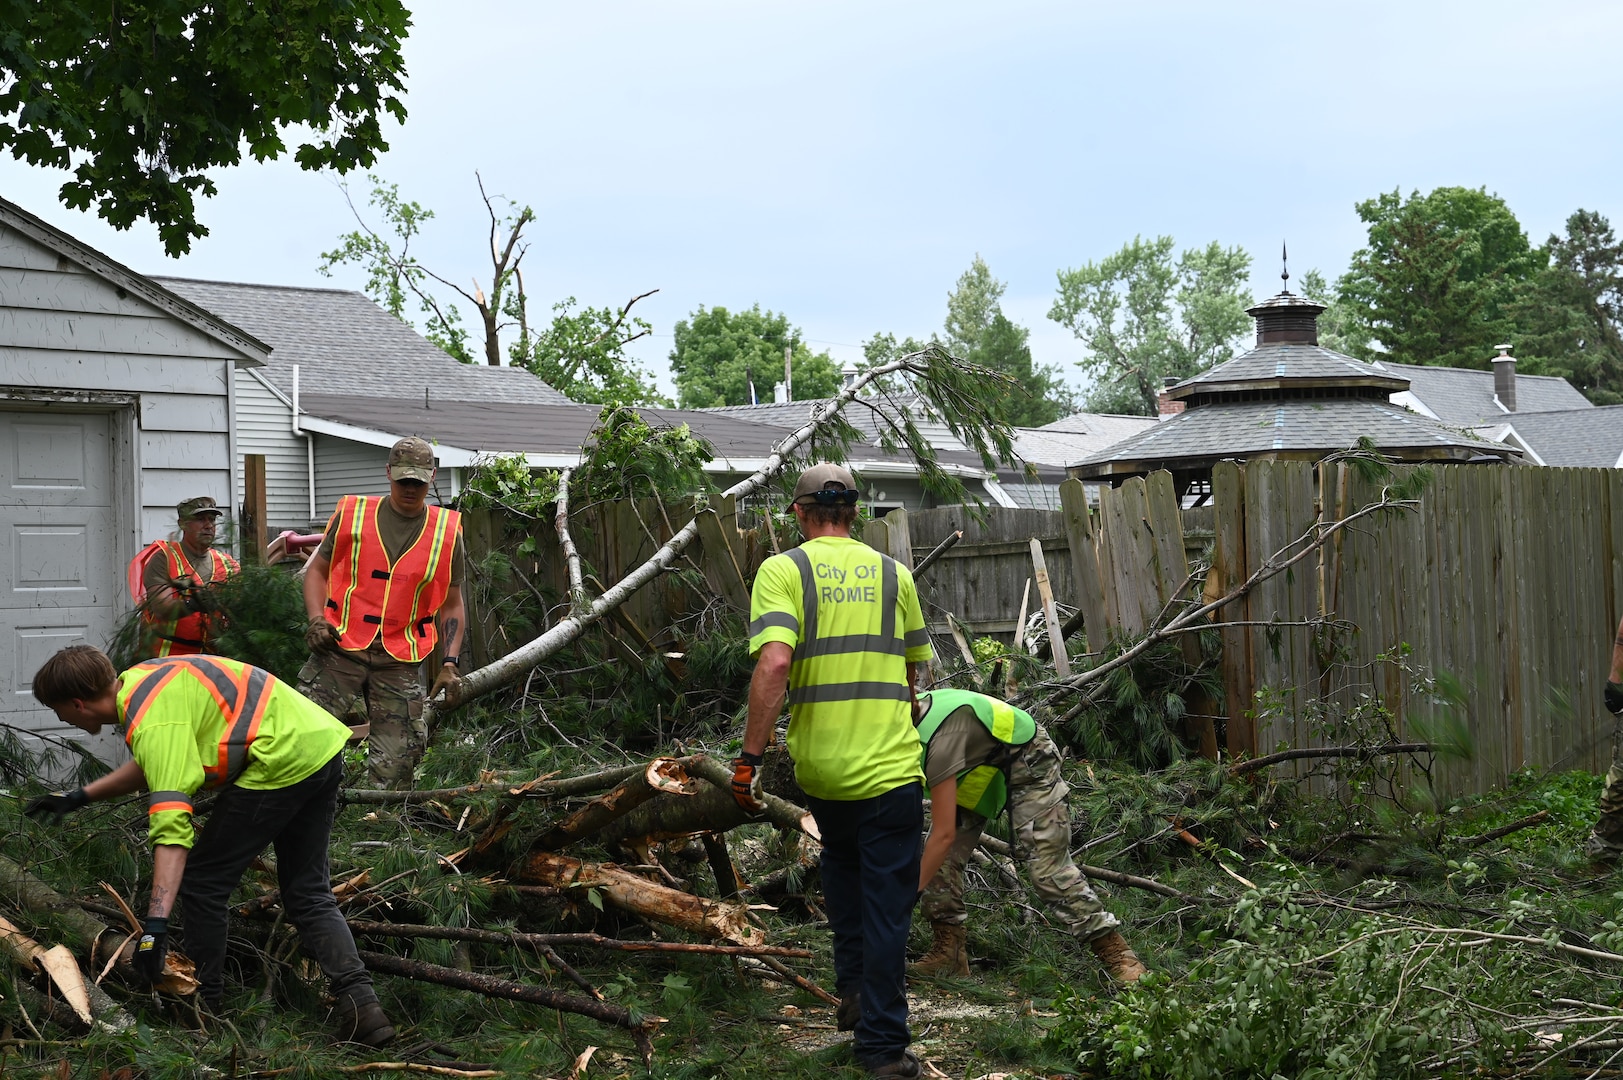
x,y
411,459
191,508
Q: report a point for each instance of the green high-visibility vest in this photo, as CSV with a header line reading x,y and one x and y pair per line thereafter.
x,y
983,788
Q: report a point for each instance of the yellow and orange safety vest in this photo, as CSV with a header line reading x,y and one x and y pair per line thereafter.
x,y
369,598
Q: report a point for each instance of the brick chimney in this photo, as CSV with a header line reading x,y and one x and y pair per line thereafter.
x,y
1166,406
1504,378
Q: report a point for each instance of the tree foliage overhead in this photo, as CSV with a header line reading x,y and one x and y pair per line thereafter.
x,y
1440,277
1570,315
1144,317
719,354
978,330
140,99
580,353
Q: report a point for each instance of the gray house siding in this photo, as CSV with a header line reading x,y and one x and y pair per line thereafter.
x,y
347,468
115,404
265,426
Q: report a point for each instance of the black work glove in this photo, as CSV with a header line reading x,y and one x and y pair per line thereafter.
x,y
57,806
202,598
1614,698
747,782
151,950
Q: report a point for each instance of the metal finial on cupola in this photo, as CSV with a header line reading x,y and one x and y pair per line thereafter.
x,y
1286,319
1285,262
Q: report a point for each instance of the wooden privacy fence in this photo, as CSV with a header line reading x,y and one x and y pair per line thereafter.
x,y
1502,583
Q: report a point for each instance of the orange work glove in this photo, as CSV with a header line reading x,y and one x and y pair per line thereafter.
x,y
747,783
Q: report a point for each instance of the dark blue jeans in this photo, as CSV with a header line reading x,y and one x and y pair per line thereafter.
x,y
870,880
297,821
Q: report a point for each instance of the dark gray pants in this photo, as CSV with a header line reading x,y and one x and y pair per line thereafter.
x,y
297,822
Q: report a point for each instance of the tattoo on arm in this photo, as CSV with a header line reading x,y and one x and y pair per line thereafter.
x,y
452,625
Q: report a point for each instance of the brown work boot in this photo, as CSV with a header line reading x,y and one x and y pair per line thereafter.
x,y
849,1012
948,955
363,1023
1118,957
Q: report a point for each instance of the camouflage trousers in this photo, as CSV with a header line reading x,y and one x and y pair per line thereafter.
x,y
1606,841
381,699
1042,843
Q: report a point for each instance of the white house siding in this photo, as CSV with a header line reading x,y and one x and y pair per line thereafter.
x,y
264,426
347,468
113,410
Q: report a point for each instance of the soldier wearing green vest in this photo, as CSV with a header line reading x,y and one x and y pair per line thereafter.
x,y
980,756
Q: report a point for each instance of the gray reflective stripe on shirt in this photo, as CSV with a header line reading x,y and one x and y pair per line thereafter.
x,y
217,677
852,643
157,798
851,691
808,593
780,619
918,637
236,747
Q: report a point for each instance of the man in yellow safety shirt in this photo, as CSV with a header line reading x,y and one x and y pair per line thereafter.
x,y
838,627
980,755
195,722
380,592
174,579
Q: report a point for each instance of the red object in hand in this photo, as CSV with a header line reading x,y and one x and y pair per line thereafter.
x,y
292,540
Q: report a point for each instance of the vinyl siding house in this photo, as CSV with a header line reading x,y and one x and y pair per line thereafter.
x,y
338,347
117,401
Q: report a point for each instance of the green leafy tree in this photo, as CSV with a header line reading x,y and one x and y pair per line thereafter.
x,y
581,353
141,99
1339,327
1144,317
1438,281
719,354
1569,316
977,329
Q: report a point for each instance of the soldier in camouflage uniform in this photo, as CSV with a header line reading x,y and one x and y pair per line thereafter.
x,y
980,754
1606,840
383,588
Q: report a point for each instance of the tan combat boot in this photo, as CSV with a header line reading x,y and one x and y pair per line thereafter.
x,y
1118,957
948,955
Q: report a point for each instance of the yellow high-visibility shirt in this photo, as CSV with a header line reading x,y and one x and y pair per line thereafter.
x,y
852,617
207,721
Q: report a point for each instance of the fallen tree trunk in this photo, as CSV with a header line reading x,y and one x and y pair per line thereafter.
x,y
663,774
544,787
1251,765
31,894
628,891
372,928
671,817
491,986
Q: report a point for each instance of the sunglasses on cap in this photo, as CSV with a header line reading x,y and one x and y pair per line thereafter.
x,y
831,496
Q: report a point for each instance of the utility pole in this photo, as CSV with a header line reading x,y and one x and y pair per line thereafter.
x,y
788,376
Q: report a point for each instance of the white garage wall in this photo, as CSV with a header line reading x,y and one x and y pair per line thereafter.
x,y
264,426
84,341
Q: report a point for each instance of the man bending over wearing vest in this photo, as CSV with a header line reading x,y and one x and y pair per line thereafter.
x,y
207,722
838,626
981,754
383,586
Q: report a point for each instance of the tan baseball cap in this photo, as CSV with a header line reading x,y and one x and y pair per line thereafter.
x,y
194,507
411,459
823,475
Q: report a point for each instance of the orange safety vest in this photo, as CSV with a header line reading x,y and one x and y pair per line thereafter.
x,y
368,597
187,633
242,692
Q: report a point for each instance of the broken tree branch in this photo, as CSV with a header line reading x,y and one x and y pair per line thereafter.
x,y
371,928
544,787
560,523
629,795
1280,561
936,553
1505,830
491,986
1252,765
515,664
1115,877
708,918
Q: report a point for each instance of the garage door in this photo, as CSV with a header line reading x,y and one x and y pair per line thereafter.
x,y
59,577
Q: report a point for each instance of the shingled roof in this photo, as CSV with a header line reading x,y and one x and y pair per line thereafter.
x,y
1464,397
1287,398
346,345
1590,438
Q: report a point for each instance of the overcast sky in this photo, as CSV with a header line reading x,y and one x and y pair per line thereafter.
x,y
844,162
